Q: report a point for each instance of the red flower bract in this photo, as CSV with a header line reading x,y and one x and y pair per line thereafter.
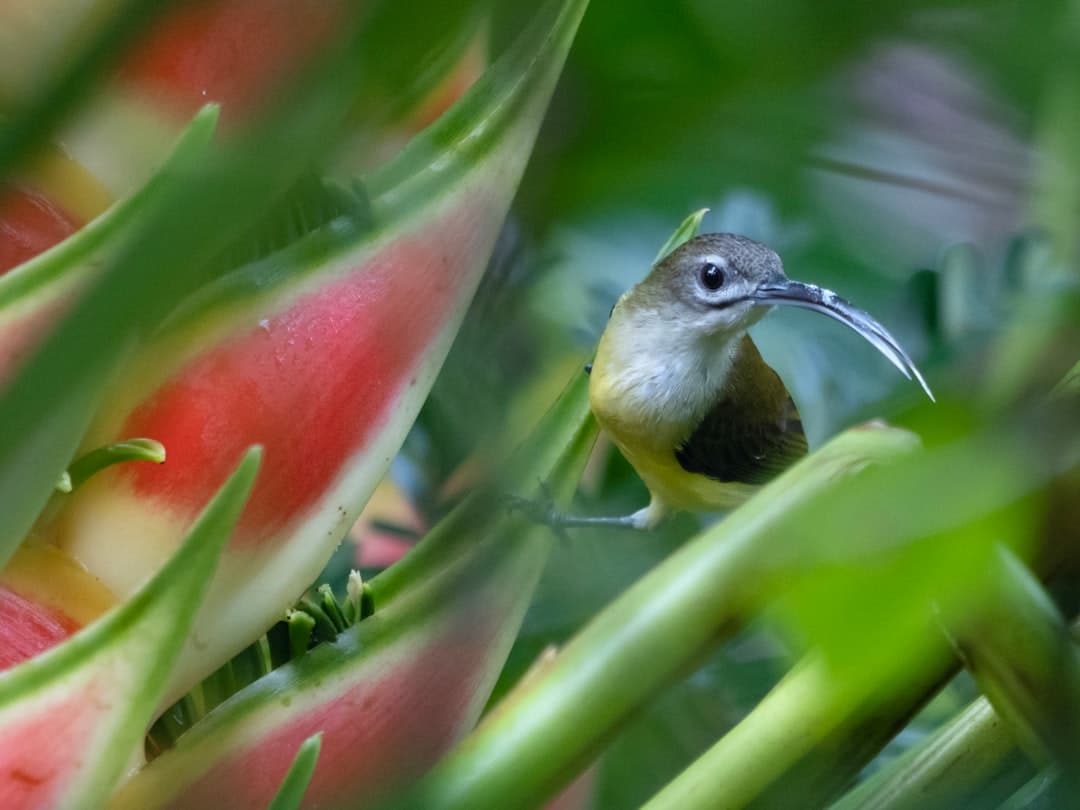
x,y
29,224
30,780
376,733
235,52
28,628
310,384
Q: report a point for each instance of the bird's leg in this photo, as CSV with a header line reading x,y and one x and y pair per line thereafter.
x,y
561,521
642,519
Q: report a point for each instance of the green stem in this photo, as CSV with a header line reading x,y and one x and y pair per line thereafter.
x,y
638,644
301,626
98,459
973,753
1045,789
809,718
1022,654
809,736
791,720
94,462
859,731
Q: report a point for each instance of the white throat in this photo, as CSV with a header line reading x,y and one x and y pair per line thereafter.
x,y
668,371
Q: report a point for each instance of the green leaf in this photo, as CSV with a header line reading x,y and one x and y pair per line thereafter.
x,y
291,793
50,400
72,718
67,262
922,542
684,233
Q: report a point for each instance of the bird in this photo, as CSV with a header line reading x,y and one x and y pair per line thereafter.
x,y
679,386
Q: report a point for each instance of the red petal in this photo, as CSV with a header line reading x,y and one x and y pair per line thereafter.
x,y
28,777
380,731
29,225
311,384
230,51
27,628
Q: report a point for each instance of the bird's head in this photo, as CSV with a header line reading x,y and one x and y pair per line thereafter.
x,y
720,284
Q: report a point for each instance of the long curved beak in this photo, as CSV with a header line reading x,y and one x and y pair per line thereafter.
x,y
808,296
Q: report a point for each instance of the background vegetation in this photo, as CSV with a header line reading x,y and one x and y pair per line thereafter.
x,y
897,637
916,157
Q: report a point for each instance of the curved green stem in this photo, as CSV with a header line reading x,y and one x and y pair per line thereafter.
x,y
786,725
1022,654
117,453
809,736
974,752
639,643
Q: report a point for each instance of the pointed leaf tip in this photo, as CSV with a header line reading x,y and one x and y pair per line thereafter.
x,y
291,793
208,115
98,689
686,231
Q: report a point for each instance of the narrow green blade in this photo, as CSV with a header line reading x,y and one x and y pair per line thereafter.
x,y
295,783
72,718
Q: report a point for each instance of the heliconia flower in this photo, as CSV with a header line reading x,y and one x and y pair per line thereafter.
x,y
72,719
44,288
390,696
231,52
240,55
39,290
393,692
44,598
192,55
322,353
30,222
324,362
42,207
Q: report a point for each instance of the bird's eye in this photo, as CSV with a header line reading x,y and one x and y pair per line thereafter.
x,y
712,277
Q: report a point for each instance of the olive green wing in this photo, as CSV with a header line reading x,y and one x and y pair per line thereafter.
x,y
752,433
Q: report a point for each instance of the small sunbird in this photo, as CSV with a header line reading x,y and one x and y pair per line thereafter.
x,y
681,389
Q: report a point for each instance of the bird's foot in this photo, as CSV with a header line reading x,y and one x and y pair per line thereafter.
x,y
538,511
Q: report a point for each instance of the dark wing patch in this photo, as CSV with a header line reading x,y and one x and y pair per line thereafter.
x,y
728,446
753,433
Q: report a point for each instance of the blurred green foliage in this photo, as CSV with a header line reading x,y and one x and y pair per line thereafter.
x,y
887,151
918,157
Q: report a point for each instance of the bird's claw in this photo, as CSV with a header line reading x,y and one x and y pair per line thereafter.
x,y
540,511
534,510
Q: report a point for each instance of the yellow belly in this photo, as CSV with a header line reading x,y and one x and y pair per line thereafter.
x,y
649,445
679,489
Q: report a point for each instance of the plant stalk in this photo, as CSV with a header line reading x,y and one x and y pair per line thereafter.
x,y
528,745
